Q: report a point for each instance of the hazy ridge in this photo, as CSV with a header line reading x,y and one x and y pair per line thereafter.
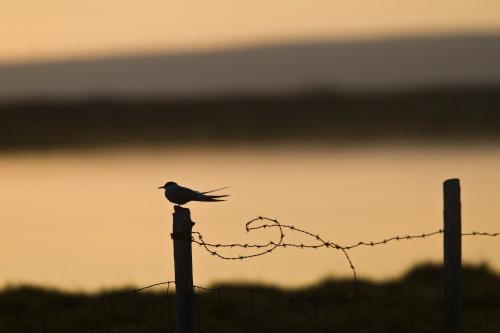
x,y
386,64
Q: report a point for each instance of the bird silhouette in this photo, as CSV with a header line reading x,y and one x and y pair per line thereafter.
x,y
180,195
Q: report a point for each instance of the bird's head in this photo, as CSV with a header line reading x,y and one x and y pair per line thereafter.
x,y
167,184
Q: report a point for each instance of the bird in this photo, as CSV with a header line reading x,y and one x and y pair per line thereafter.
x,y
180,195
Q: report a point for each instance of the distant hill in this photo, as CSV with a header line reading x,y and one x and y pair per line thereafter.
x,y
390,64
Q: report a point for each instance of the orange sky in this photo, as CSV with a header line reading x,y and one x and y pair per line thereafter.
x,y
52,29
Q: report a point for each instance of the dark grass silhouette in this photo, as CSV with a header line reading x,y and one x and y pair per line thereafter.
x,y
412,303
451,115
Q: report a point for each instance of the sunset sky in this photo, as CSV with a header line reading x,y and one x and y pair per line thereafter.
x,y
55,29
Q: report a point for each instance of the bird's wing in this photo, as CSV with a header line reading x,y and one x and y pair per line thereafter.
x,y
211,191
186,194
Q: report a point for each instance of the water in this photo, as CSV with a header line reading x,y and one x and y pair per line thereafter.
x,y
95,219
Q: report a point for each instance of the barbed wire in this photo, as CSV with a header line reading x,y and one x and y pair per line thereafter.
x,y
270,246
477,233
249,227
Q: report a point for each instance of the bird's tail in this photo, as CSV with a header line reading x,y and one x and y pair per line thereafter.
x,y
204,197
211,191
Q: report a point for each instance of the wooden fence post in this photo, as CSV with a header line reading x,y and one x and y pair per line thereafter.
x,y
184,288
452,257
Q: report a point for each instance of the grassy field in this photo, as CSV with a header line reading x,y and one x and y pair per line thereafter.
x,y
412,303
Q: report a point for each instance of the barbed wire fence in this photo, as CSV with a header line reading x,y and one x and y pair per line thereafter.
x,y
270,246
358,308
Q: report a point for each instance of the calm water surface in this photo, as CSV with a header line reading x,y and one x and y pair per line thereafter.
x,y
95,219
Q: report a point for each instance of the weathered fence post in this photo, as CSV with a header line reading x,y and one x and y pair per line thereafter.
x,y
184,289
452,257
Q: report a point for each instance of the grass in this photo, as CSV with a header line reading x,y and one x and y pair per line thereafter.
x,y
412,303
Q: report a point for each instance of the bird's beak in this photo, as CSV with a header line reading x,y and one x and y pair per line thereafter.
x,y
161,187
